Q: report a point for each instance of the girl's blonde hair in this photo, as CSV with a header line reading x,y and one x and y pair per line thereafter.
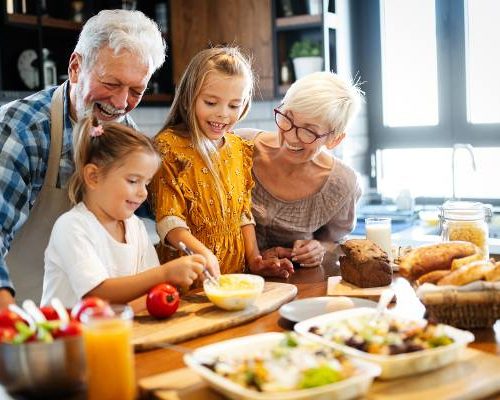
x,y
106,146
227,60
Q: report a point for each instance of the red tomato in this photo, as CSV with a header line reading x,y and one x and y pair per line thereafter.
x,y
50,313
72,328
7,334
162,300
9,318
87,302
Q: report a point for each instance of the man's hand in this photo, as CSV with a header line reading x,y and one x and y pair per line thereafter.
x,y
308,253
6,298
271,266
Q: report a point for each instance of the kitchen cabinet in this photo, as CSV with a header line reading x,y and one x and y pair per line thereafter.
x,y
196,25
27,27
261,28
325,22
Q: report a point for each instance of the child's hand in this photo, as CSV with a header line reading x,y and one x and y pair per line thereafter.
x,y
273,266
308,253
212,263
184,271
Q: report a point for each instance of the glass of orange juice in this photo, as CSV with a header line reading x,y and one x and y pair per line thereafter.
x,y
109,353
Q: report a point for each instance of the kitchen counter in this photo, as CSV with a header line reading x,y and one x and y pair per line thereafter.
x,y
410,230
418,236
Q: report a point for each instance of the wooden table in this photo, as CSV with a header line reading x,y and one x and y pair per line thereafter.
x,y
311,282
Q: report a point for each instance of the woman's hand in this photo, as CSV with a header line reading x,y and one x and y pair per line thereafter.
x,y
271,266
184,271
277,252
308,253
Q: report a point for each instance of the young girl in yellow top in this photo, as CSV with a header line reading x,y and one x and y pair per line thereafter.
x,y
202,192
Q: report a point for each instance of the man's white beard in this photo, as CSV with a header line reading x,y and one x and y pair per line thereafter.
x,y
83,110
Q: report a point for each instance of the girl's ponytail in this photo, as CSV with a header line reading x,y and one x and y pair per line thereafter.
x,y
81,148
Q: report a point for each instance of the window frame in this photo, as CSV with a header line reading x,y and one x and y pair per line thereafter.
x,y
453,126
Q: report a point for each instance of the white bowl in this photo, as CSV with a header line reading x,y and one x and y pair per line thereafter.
x,y
235,291
353,387
397,365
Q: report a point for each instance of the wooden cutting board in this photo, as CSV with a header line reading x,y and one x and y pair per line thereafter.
x,y
475,375
338,287
198,316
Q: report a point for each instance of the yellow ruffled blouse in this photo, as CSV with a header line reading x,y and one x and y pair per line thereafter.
x,y
183,195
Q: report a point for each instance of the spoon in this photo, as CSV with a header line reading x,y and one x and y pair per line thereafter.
x,y
383,302
186,250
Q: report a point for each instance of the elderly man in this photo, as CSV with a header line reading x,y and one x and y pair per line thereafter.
x,y
116,54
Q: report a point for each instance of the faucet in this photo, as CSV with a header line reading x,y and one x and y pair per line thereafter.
x,y
470,149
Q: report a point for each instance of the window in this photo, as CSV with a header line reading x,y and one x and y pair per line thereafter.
x,y
409,49
432,69
428,173
483,61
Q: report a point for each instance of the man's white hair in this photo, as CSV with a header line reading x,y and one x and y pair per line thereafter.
x,y
122,30
326,96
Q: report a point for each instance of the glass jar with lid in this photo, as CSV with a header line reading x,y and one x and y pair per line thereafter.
x,y
466,221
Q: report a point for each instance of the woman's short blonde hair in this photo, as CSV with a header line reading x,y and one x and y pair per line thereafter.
x,y
326,96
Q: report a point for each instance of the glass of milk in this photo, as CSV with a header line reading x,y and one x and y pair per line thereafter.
x,y
378,230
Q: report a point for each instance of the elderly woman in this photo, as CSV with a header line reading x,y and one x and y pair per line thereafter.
x,y
304,198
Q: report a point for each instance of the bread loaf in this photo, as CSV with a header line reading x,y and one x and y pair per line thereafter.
x,y
425,259
365,264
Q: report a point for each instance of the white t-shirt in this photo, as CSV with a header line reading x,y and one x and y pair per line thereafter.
x,y
81,254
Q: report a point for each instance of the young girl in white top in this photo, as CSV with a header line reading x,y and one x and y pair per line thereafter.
x,y
99,247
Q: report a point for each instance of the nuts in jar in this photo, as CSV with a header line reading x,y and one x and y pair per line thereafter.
x,y
466,221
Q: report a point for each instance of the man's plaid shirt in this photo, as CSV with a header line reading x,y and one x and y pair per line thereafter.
x,y
24,152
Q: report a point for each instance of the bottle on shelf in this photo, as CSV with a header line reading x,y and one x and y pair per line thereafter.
x,y
285,73
49,69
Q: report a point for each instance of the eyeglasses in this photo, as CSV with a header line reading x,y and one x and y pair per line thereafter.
x,y
303,134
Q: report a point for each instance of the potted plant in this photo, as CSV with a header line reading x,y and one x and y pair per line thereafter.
x,y
306,57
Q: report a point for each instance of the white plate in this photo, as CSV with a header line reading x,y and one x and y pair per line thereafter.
x,y
300,310
352,387
393,366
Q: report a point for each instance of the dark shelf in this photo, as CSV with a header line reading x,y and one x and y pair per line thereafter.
x,y
157,98
22,19
46,21
306,21
50,22
298,21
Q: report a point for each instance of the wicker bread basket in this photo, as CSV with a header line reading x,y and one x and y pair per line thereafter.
x,y
474,309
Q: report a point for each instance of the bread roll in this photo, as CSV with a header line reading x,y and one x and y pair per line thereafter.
x,y
425,259
433,276
365,264
494,274
466,274
459,262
